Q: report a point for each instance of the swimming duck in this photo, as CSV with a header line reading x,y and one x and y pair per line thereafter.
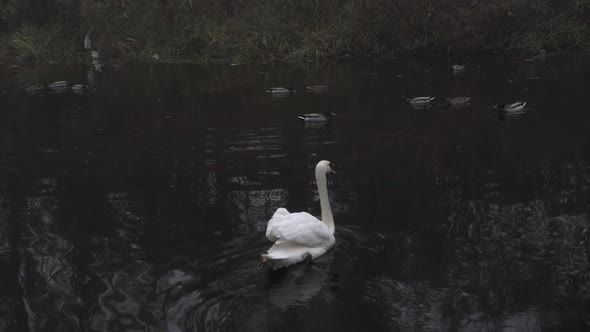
x,y
59,85
318,88
281,90
416,101
517,107
458,101
457,68
316,117
79,88
34,89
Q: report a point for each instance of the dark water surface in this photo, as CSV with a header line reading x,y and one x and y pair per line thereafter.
x,y
142,204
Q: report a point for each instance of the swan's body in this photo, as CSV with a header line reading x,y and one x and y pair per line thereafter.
x,y
316,117
300,236
418,101
297,236
517,107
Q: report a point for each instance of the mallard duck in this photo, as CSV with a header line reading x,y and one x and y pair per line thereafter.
x,y
458,101
79,88
517,107
35,89
457,68
318,88
316,117
281,91
58,84
416,101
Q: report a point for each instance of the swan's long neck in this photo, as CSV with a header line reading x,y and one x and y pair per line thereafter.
x,y
320,178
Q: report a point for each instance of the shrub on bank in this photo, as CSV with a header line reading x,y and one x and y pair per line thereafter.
x,y
286,30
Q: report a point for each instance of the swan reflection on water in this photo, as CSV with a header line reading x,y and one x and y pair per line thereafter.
x,y
298,284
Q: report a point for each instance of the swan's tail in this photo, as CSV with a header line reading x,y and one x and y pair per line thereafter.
x,y
274,263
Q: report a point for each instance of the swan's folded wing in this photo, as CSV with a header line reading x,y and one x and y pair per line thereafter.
x,y
301,228
271,229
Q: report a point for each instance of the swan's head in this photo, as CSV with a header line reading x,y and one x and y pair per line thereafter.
x,y
325,167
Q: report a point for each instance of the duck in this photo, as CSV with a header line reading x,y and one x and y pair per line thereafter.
x,y
517,107
416,101
316,117
299,236
78,88
317,88
59,85
281,91
458,101
457,68
35,89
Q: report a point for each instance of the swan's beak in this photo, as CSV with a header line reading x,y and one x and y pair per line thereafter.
x,y
332,172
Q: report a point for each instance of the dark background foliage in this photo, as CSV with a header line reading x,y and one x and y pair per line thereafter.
x,y
285,30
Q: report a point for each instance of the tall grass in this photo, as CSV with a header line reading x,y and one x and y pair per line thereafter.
x,y
290,30
41,45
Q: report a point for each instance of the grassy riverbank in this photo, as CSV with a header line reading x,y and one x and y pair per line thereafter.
x,y
286,30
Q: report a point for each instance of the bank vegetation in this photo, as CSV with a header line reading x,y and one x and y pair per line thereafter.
x,y
208,31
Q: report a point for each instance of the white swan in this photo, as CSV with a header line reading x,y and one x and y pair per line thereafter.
x,y
300,236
